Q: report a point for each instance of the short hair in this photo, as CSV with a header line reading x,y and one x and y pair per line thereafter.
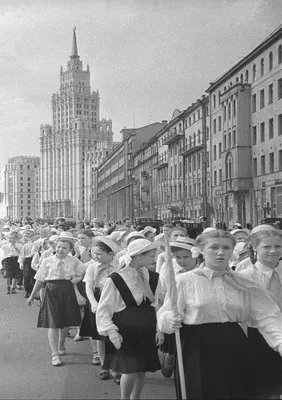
x,y
214,234
87,232
69,241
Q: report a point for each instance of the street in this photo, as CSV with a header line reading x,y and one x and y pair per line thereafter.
x,y
26,371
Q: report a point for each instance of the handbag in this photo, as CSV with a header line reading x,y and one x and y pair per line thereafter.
x,y
80,299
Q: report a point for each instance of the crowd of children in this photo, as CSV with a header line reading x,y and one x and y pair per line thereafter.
x,y
114,288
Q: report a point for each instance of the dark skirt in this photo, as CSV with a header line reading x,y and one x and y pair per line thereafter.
x,y
138,352
88,325
218,362
59,308
11,268
168,346
270,364
28,274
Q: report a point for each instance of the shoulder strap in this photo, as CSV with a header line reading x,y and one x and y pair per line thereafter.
x,y
123,289
153,280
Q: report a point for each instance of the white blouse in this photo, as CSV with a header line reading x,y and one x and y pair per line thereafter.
x,y
204,297
50,269
111,301
97,273
10,250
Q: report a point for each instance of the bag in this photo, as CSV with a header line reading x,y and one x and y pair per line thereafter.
x,y
80,299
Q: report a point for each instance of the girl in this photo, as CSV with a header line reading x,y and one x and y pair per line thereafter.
x,y
173,234
97,271
10,254
59,309
267,272
25,259
125,314
212,300
149,233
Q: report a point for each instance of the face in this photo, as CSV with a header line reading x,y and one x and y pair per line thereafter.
x,y
63,249
13,238
177,233
150,236
148,259
269,251
240,236
101,256
95,225
217,252
165,229
84,240
46,234
184,259
46,244
127,223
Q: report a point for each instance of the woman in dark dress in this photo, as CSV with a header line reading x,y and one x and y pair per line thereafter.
x,y
126,315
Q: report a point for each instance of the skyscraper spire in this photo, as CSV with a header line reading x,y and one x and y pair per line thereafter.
x,y
74,51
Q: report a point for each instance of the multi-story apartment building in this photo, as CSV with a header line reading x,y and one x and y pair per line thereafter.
x,y
22,183
114,177
77,134
246,136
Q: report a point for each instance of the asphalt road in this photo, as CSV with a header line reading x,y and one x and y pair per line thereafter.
x,y
25,361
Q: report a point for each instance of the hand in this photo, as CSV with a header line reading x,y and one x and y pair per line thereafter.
x,y
29,301
159,338
116,339
94,308
174,322
21,265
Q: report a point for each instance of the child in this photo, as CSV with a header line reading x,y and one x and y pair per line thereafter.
x,y
25,259
11,269
125,314
173,234
97,271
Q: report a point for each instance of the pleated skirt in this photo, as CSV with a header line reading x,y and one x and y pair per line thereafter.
x,y
59,308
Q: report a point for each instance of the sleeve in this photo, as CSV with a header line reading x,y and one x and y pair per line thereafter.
x,y
266,316
106,308
89,274
79,268
21,255
42,271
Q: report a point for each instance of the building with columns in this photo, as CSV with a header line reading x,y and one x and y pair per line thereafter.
x,y
76,141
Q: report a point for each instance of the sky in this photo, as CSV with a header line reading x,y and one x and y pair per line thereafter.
x,y
147,57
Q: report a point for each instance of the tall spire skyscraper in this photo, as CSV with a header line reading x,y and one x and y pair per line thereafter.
x,y
76,134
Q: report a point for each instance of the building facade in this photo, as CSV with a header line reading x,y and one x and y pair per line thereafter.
x,y
246,136
115,187
22,187
77,140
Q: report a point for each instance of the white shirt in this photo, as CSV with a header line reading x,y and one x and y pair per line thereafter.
x,y
26,251
204,297
97,273
49,268
244,264
111,301
10,250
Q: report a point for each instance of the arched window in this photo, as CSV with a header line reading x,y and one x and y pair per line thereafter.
x,y
237,79
194,139
270,61
261,67
199,136
229,167
214,101
247,76
241,78
280,54
254,72
190,141
219,94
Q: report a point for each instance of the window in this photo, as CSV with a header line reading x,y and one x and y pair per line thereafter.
x,y
254,72
234,138
229,110
219,123
261,67
214,178
270,128
220,176
224,142
254,135
270,94
270,61
271,162
219,94
214,152
262,132
262,165
280,124
262,98
207,134
214,101
247,76
241,78
255,167
280,160
208,159
214,126
224,113
234,108
229,139
280,54
279,88
219,150
254,103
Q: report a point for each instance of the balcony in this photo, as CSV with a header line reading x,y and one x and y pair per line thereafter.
x,y
162,162
191,147
173,137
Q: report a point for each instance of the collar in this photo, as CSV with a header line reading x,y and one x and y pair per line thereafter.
x,y
134,272
268,271
177,268
210,272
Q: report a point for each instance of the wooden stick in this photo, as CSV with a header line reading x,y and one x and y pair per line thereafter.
x,y
180,366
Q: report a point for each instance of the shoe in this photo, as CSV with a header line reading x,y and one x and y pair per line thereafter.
x,y
105,375
96,360
13,291
56,360
7,291
117,378
78,338
62,351
26,295
167,366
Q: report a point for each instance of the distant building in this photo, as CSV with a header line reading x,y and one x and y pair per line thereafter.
x,y
22,183
77,140
114,178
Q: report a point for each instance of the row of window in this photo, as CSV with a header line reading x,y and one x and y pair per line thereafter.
x,y
271,130
262,101
267,165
